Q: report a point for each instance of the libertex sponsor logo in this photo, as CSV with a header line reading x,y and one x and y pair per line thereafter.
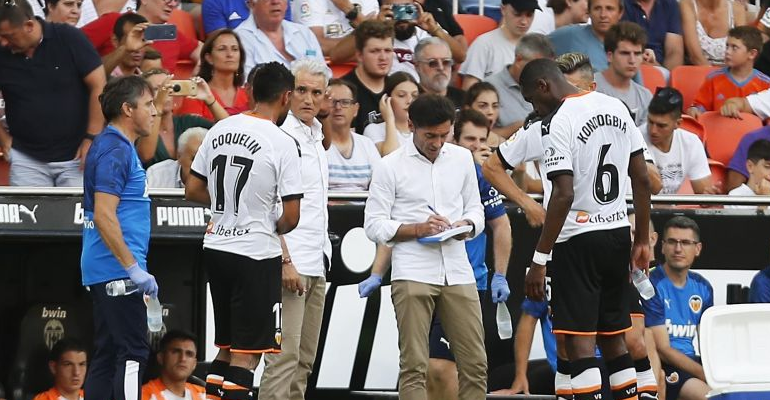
x,y
583,217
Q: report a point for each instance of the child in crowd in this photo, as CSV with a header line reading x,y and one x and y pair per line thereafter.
x,y
758,165
738,78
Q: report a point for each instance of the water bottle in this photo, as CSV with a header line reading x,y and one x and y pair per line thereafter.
x,y
642,283
121,287
154,314
504,326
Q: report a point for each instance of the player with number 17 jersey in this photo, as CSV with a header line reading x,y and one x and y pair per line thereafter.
x,y
595,148
249,165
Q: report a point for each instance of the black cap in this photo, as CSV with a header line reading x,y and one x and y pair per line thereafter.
x,y
523,5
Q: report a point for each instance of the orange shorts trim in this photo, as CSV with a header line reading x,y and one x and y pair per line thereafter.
x,y
566,332
255,351
615,332
564,391
627,383
647,388
233,387
586,389
215,381
630,397
222,346
637,315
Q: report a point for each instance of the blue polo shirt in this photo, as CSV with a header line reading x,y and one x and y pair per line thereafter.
x,y
760,287
665,18
113,167
218,14
46,99
678,308
581,39
492,201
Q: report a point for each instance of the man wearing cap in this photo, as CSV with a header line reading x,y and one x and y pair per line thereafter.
x,y
494,50
589,39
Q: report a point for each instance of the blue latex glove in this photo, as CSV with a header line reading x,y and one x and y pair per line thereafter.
x,y
500,290
144,280
369,285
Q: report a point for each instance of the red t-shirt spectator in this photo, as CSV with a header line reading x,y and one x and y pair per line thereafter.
x,y
99,32
198,107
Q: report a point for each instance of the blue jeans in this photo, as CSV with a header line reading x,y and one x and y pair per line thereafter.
x,y
27,171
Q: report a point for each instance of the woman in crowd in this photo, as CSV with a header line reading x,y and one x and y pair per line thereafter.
x,y
705,24
63,11
222,59
400,90
482,97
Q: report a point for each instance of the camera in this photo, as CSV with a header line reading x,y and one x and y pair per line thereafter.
x,y
183,88
405,12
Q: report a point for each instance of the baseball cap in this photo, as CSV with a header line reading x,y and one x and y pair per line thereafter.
x,y
523,5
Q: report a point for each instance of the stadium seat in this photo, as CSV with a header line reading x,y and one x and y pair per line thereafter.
x,y
4,166
42,326
691,124
339,70
474,25
718,175
185,24
652,78
724,133
688,79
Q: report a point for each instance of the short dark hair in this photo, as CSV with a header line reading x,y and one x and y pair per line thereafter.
x,y
207,69
558,6
64,345
48,5
620,5
341,82
666,100
127,18
476,90
624,31
759,150
397,78
273,79
469,115
125,89
542,68
749,35
430,110
373,29
176,334
16,12
682,222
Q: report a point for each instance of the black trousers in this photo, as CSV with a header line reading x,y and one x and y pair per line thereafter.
x,y
121,348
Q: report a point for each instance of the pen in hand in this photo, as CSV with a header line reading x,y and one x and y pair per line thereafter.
x,y
441,222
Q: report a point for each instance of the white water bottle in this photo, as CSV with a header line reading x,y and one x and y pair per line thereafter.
x,y
504,326
642,283
154,314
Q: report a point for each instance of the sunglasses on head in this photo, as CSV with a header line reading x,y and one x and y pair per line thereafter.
x,y
671,95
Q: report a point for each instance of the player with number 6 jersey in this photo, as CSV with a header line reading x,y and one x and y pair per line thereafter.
x,y
248,171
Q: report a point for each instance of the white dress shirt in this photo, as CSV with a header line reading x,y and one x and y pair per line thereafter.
x,y
165,174
309,241
298,39
403,187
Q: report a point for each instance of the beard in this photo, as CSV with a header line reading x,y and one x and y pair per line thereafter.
x,y
405,30
439,83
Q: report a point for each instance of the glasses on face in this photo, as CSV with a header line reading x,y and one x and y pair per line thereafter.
x,y
684,243
439,63
343,103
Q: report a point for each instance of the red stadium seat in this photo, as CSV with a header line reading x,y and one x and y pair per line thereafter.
x,y
185,24
725,133
339,70
691,124
652,78
688,79
474,25
718,175
4,172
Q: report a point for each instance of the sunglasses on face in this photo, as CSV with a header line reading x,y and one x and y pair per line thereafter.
x,y
439,63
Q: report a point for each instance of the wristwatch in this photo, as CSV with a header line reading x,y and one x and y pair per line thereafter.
x,y
353,13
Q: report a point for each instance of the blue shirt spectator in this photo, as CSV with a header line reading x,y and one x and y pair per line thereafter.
x,y
218,14
736,169
113,167
581,39
492,201
760,287
664,29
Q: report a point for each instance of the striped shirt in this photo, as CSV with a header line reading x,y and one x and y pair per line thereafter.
x,y
352,173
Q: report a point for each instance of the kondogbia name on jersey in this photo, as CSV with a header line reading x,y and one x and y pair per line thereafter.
x,y
598,121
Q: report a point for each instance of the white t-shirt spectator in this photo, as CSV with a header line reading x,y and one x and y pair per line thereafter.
x,y
376,132
760,103
743,190
543,22
325,14
685,160
488,54
164,174
355,172
403,50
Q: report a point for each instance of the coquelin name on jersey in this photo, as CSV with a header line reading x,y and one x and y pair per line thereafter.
x,y
597,121
240,139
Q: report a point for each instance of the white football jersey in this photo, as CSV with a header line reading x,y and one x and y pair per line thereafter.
x,y
592,137
249,165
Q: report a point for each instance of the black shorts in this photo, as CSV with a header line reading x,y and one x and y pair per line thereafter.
x,y
634,302
590,283
246,297
676,378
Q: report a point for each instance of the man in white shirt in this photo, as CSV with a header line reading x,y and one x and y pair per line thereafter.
x,y
678,154
433,59
352,157
433,275
492,51
247,164
266,36
307,249
624,44
331,20
177,359
174,173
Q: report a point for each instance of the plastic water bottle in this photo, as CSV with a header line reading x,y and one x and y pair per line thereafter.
x,y
154,314
504,326
642,283
121,287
